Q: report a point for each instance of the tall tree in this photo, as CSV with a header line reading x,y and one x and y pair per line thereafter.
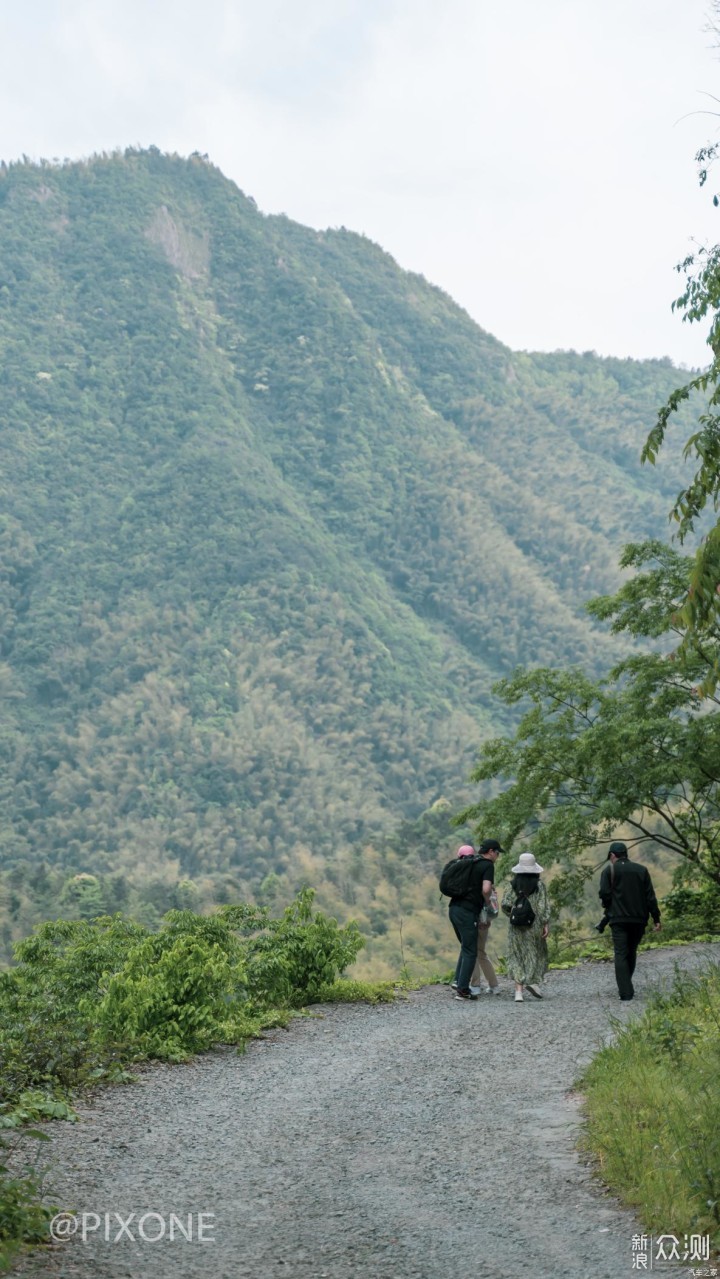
x,y
637,748
699,612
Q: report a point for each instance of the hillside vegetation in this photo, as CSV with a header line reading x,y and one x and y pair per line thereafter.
x,y
275,515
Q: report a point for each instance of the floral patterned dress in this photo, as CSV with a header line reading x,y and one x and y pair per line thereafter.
x,y
527,954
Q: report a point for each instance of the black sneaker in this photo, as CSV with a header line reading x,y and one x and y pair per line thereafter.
x,y
464,994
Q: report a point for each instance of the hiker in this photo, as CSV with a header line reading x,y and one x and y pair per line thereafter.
x,y
464,910
491,850
627,893
525,901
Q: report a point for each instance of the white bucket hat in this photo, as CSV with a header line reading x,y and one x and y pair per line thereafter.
x,y
527,865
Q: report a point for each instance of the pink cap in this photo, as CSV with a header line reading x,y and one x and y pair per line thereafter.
x,y
467,850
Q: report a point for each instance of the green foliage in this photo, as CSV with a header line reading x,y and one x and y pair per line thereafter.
x,y
345,991
48,1002
636,749
648,601
88,996
692,913
23,1217
297,957
698,614
380,886
653,1110
176,991
33,1106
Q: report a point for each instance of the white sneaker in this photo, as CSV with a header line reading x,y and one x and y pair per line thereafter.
x,y
518,997
492,990
475,990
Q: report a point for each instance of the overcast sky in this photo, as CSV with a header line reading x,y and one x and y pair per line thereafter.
x,y
534,158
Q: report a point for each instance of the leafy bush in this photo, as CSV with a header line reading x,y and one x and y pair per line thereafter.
x,y
48,1003
177,991
690,912
87,996
296,957
23,1217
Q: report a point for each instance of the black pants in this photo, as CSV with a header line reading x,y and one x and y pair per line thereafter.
x,y
464,920
626,939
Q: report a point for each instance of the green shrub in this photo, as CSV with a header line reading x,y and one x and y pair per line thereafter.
x,y
177,992
23,1217
87,996
294,958
690,913
49,1002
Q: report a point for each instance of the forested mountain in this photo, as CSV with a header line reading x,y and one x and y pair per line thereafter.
x,y
275,514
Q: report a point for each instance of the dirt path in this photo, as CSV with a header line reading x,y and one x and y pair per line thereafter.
x,y
425,1139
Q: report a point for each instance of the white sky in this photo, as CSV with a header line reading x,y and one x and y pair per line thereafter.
x,y
534,158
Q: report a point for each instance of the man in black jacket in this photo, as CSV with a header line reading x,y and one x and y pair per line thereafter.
x,y
627,893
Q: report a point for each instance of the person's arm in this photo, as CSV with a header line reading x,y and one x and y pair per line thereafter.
x,y
544,909
487,888
606,888
508,899
653,908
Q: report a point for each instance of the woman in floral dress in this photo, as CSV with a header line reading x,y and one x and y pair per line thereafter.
x,y
527,958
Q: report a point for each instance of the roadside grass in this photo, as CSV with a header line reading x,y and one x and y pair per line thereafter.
x,y
347,991
652,1107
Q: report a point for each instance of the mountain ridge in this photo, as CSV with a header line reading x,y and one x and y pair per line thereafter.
x,y
276,515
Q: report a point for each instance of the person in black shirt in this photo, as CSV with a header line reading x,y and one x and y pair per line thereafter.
x,y
627,893
465,911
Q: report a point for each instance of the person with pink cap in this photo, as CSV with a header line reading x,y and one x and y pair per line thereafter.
x,y
490,849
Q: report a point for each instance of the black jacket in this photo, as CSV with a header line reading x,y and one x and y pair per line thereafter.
x,y
627,893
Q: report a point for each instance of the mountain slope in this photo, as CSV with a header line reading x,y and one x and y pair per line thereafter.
x,y
275,516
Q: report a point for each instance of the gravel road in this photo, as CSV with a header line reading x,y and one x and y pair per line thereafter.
x,y
424,1139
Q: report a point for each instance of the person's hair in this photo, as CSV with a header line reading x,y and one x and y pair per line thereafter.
x,y
525,883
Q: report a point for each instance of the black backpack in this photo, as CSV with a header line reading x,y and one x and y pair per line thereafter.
x,y
522,914
457,875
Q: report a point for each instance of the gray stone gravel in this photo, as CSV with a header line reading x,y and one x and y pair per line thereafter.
x,y
422,1139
